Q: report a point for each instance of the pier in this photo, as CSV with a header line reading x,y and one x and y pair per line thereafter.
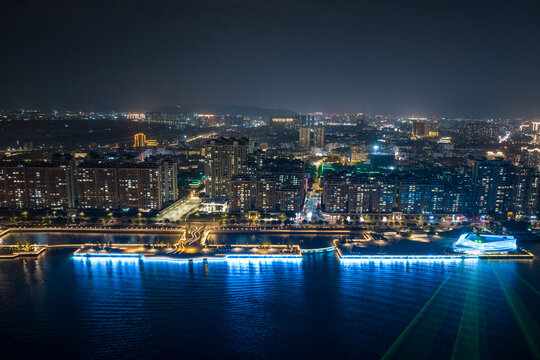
x,y
192,244
192,253
13,252
345,254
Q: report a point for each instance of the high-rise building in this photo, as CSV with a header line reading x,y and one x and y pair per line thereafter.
x,y
354,194
359,152
277,185
207,120
90,185
360,121
119,186
139,140
169,178
335,196
97,186
420,128
304,137
140,187
318,136
421,196
170,118
531,157
290,183
254,145
480,131
265,187
532,200
242,193
525,199
50,187
458,189
375,194
223,159
36,185
493,186
306,120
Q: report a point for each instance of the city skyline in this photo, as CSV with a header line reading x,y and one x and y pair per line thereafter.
x,y
457,59
241,110
270,179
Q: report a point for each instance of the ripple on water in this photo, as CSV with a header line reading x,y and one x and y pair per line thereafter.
x,y
318,307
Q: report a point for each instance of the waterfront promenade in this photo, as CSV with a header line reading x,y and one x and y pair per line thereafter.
x,y
192,243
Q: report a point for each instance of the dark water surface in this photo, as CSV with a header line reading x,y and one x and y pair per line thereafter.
x,y
318,307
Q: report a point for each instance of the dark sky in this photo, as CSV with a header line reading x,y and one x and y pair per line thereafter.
x,y
456,58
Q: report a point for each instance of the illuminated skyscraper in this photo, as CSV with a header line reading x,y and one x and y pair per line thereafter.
x,y
421,196
480,131
169,178
265,193
290,183
420,128
140,187
36,185
139,140
242,193
124,186
526,195
335,197
360,121
97,186
343,193
223,159
493,186
318,137
304,137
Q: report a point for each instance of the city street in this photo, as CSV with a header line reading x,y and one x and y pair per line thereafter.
x,y
179,209
310,211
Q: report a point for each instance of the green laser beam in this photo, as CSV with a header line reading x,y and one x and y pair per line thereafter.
x,y
413,322
527,283
422,338
468,326
519,319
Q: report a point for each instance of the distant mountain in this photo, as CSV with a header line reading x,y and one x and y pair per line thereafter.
x,y
235,110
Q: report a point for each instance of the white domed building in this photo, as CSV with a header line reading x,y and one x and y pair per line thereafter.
x,y
479,244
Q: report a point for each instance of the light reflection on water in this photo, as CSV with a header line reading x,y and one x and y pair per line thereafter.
x,y
317,306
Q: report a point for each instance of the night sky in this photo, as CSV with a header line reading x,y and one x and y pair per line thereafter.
x,y
462,58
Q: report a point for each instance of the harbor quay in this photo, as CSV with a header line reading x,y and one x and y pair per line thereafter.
x,y
199,243
192,252
419,247
8,252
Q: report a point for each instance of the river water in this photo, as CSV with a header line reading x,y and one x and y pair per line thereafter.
x,y
317,307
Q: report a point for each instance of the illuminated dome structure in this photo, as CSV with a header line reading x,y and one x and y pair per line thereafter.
x,y
479,244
